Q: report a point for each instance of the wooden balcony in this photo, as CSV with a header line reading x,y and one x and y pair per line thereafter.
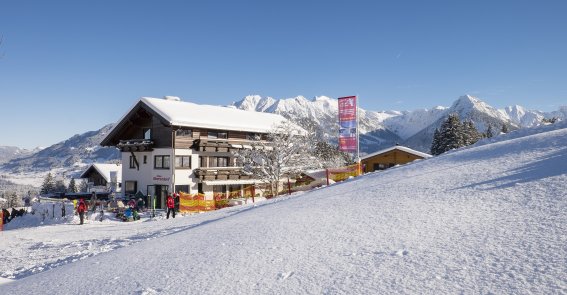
x,y
221,173
216,145
135,145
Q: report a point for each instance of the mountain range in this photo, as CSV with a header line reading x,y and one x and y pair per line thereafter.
x,y
378,130
410,128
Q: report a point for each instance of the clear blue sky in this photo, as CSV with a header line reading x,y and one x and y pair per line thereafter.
x,y
68,67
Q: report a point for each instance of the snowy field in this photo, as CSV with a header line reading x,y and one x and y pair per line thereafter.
x,y
490,219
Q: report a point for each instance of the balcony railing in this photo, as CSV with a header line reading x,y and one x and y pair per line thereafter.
x,y
222,145
135,145
221,173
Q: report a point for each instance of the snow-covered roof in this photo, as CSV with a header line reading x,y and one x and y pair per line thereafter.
x,y
104,170
398,147
187,114
317,174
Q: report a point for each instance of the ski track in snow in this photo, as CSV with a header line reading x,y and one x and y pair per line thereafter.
x,y
28,252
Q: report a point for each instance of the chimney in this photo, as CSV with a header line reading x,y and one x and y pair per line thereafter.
x,y
172,98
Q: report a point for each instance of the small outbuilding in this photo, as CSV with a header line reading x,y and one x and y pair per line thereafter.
x,y
103,176
390,157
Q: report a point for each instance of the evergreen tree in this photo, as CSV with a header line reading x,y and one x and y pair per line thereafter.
x,y
60,186
48,185
504,129
435,150
489,131
72,188
13,200
84,186
471,134
450,134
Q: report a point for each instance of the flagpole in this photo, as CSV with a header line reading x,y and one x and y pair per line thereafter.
x,y
357,136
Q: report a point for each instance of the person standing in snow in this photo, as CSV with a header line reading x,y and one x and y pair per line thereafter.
x,y
93,201
81,209
170,206
140,204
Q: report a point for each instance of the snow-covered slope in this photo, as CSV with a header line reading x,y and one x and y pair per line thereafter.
x,y
8,153
488,219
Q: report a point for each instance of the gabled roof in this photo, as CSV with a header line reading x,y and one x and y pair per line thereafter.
x,y
104,170
398,147
174,112
187,114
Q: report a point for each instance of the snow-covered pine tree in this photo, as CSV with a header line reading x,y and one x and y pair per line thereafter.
x,y
83,186
60,186
471,134
72,188
48,185
504,129
327,154
489,131
451,134
12,200
435,143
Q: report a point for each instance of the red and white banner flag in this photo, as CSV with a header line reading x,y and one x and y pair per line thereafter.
x,y
348,139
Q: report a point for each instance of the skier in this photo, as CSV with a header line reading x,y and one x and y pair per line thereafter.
x,y
81,209
170,206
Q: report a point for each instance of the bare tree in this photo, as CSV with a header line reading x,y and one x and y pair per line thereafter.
x,y
284,152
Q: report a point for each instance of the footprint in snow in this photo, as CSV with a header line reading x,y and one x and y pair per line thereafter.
x,y
284,275
401,253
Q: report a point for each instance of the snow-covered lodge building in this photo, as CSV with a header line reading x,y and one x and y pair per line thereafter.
x,y
390,157
169,145
104,177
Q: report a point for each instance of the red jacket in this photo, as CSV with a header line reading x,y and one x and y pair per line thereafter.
x,y
170,202
82,207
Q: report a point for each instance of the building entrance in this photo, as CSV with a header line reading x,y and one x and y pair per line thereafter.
x,y
159,192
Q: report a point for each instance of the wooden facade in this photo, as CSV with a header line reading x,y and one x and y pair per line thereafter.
x,y
391,157
94,177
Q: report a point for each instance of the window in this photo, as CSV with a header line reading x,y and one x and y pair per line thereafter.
x,y
132,162
183,162
147,133
184,132
131,187
253,136
161,162
219,191
202,162
182,188
217,134
218,162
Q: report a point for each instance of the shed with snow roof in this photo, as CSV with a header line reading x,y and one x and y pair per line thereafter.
x,y
104,176
390,157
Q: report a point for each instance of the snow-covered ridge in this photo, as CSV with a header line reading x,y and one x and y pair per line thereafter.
x,y
381,129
